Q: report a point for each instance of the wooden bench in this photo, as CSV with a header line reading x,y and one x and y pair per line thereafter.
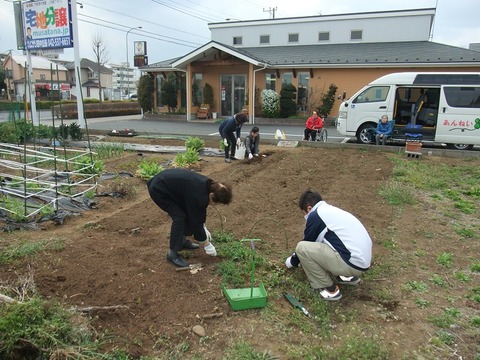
x,y
204,112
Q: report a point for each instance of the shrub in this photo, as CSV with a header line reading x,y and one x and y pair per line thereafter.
x,y
145,92
328,100
288,94
270,103
208,95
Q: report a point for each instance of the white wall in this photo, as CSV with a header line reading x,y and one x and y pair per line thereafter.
x,y
376,27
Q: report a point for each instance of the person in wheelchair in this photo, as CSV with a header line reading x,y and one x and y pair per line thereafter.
x,y
312,126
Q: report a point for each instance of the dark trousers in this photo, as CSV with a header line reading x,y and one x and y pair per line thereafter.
x,y
308,132
232,145
179,228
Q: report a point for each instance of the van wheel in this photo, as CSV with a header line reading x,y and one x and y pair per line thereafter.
x,y
362,133
460,146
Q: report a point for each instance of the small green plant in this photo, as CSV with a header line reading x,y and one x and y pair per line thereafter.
x,y
462,276
194,143
445,259
186,159
475,267
445,337
422,303
109,150
148,169
15,208
417,286
438,280
475,321
85,165
75,131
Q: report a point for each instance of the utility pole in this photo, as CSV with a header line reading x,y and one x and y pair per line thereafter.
x,y
271,11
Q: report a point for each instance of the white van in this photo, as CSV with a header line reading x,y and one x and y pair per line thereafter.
x,y
440,107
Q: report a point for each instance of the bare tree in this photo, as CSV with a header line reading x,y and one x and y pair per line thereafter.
x,y
100,50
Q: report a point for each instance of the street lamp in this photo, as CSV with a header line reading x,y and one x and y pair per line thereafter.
x,y
126,46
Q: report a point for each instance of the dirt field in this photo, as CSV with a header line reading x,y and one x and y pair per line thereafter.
x,y
114,255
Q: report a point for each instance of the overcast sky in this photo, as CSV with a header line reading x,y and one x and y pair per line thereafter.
x,y
173,28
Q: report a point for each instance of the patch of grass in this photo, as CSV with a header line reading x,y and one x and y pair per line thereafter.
x,y
444,337
462,276
438,280
475,321
44,328
397,194
22,250
475,267
243,350
446,319
445,259
416,286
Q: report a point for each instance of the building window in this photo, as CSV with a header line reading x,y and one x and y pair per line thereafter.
x,y
197,89
264,39
324,36
302,90
270,81
287,78
356,35
293,38
237,40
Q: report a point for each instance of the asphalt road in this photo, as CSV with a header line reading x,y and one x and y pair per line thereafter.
x,y
176,127
183,127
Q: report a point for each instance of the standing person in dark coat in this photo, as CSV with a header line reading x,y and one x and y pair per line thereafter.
x,y
228,129
185,196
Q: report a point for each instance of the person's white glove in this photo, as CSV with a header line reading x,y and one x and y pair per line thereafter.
x,y
207,233
225,142
250,156
238,142
288,262
210,250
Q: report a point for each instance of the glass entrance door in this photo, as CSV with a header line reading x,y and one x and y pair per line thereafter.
x,y
232,94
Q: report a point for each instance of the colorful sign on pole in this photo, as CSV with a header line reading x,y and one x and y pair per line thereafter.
x,y
47,24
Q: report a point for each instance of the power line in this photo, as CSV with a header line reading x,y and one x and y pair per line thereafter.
x,y
147,36
143,20
139,30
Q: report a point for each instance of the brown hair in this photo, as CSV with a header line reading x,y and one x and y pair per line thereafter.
x,y
241,118
222,192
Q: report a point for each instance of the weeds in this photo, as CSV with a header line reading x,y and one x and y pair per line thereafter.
x,y
445,259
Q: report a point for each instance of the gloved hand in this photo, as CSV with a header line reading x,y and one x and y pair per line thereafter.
x,y
209,236
250,156
225,142
256,155
210,249
238,142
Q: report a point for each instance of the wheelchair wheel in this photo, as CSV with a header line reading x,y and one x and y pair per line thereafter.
x,y
322,135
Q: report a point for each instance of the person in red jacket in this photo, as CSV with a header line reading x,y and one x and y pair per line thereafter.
x,y
313,124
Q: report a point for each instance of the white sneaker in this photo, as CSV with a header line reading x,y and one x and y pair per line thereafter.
x,y
348,280
329,295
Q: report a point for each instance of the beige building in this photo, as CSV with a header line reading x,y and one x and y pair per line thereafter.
x,y
47,76
348,50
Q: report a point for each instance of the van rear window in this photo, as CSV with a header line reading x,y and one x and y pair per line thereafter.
x,y
447,79
462,97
